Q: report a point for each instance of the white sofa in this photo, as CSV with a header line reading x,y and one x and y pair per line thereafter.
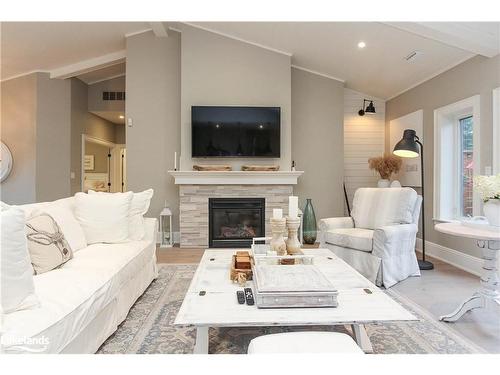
x,y
83,302
378,240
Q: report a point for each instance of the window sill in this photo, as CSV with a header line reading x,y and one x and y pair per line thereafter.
x,y
438,220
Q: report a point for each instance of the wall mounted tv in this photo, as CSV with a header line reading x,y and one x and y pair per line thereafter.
x,y
235,131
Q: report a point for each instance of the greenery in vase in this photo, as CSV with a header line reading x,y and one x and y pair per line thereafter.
x,y
488,187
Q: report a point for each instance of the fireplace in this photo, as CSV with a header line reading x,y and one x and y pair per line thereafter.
x,y
233,222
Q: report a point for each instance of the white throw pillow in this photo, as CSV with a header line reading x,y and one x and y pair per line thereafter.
x,y
138,208
65,218
17,289
104,217
47,245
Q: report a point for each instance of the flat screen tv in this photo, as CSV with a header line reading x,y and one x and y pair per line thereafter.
x,y
235,131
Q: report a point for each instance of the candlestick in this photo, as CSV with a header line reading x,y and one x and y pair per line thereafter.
x,y
278,227
293,207
175,160
277,213
292,242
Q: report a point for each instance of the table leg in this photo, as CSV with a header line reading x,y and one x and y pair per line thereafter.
x,y
201,344
489,283
474,302
362,338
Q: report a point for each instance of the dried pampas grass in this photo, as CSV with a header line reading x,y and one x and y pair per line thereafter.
x,y
385,165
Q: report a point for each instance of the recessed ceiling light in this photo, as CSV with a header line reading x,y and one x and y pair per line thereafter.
x,y
122,117
361,44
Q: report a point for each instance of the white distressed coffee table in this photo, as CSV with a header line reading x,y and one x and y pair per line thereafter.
x,y
489,242
360,301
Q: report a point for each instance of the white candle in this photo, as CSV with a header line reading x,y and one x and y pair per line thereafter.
x,y
293,207
277,213
175,160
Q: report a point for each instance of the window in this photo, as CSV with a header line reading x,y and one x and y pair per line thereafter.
x,y
466,157
456,159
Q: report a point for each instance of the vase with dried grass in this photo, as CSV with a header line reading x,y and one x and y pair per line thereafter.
x,y
386,166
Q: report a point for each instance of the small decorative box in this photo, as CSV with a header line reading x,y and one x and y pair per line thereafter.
x,y
299,285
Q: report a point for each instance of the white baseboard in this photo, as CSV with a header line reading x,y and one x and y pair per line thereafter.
x,y
456,258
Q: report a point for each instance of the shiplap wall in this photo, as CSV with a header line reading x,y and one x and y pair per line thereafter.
x,y
364,137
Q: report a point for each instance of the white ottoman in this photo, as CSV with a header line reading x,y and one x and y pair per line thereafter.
x,y
304,342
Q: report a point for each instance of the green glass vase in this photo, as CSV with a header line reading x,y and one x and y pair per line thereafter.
x,y
309,230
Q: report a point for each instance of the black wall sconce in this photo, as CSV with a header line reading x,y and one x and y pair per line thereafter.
x,y
370,108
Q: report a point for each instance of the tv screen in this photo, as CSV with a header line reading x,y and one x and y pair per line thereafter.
x,y
235,131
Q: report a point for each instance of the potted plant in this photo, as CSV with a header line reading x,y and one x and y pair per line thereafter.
x,y
488,188
385,166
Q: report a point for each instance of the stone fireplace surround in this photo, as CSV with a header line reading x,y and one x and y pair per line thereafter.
x,y
196,187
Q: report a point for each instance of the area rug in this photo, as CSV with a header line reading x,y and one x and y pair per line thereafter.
x,y
149,328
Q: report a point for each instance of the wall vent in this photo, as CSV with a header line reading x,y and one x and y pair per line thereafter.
x,y
113,95
413,55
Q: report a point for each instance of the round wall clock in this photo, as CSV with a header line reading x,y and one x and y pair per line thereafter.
x,y
6,162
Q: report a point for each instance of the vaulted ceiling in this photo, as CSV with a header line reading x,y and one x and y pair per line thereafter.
x,y
329,48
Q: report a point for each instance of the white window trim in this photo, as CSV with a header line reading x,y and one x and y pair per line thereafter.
x,y
496,130
445,116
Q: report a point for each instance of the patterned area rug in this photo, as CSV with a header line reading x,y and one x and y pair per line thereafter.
x,y
148,327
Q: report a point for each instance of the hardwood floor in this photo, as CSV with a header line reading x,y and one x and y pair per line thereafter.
x,y
178,255
439,291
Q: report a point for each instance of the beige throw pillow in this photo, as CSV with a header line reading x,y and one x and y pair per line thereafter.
x,y
46,244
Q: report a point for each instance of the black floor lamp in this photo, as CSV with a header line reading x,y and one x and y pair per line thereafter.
x,y
410,147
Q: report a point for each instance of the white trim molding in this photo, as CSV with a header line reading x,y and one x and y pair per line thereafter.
x,y
24,74
433,75
446,158
106,79
317,73
89,65
496,130
237,38
456,258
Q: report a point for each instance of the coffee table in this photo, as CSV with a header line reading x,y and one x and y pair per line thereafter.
x,y
360,301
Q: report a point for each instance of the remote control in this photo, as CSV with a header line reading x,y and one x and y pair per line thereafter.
x,y
249,296
241,297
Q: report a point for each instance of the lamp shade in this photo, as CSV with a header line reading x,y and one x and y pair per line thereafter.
x,y
370,109
407,147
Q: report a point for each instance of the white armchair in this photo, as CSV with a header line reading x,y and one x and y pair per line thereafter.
x,y
378,240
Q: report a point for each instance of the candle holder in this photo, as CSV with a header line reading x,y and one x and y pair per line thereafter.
x,y
278,227
292,242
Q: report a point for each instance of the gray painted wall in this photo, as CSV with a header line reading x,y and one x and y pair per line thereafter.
x,y
36,127
153,104
18,131
479,75
84,122
220,71
53,134
100,153
318,141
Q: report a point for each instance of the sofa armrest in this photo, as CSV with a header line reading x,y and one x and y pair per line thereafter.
x,y
392,240
335,222
150,229
326,225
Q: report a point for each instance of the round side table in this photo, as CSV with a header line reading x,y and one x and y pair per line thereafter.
x,y
489,242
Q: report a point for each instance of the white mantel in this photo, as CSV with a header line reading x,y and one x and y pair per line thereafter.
x,y
235,177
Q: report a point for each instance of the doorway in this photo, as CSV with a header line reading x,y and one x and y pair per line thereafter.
x,y
103,165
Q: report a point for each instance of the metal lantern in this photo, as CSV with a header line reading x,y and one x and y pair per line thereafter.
x,y
166,238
